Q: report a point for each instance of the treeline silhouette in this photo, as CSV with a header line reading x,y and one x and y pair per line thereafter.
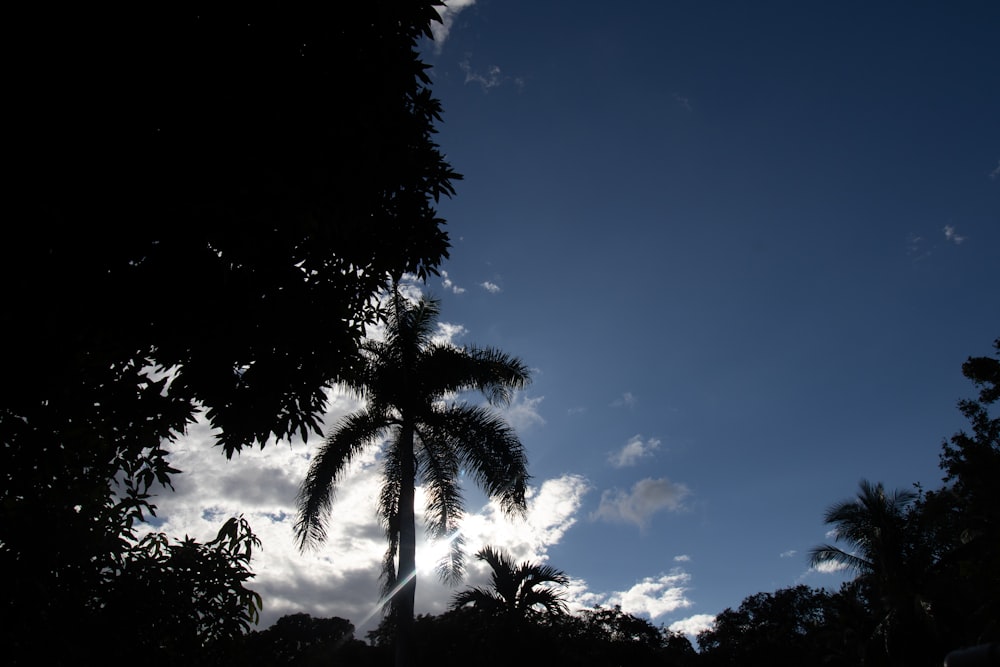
x,y
926,585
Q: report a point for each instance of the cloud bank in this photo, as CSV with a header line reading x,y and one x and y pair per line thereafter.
x,y
341,576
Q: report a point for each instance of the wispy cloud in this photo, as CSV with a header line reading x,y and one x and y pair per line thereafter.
x,y
522,413
916,247
490,287
951,235
995,174
626,400
492,78
684,102
448,13
646,498
791,553
683,558
634,450
449,285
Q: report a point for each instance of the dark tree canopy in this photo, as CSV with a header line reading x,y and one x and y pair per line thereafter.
x,y
223,192
205,207
792,626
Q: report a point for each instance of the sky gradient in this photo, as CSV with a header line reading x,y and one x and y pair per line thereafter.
x,y
745,247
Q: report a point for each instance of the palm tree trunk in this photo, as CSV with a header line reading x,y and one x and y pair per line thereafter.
x,y
406,573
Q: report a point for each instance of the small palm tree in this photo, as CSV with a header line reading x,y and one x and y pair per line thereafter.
x,y
873,524
518,590
409,383
887,556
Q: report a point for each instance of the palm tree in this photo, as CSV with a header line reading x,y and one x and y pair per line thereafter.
x,y
409,383
518,590
873,524
889,559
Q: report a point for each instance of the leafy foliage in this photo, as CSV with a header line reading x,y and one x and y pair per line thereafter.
x,y
792,626
300,640
601,637
212,202
928,562
178,599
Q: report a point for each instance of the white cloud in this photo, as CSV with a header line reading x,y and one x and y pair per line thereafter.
x,y
633,450
410,287
828,567
522,413
791,553
552,510
449,285
448,12
655,596
652,596
340,578
647,497
447,333
627,400
492,78
683,558
952,235
692,625
490,287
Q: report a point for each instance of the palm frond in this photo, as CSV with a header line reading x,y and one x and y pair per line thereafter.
x,y
553,601
499,374
543,574
439,466
518,589
827,553
315,498
410,327
873,524
481,598
493,373
491,452
503,575
388,511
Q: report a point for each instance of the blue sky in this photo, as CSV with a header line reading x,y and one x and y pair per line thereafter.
x,y
746,248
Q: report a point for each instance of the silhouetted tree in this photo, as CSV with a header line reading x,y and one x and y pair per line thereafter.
x,y
790,627
608,636
208,202
178,601
961,521
892,560
517,591
508,617
408,382
299,640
